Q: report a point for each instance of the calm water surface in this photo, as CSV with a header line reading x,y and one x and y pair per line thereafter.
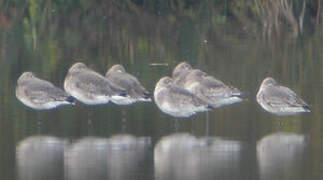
x,y
138,141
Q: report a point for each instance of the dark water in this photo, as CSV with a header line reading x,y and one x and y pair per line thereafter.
x,y
138,141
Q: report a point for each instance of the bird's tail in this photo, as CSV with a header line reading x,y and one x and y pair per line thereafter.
x,y
147,95
306,108
71,100
241,95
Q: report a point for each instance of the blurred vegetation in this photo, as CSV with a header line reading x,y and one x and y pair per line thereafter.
x,y
58,23
262,16
242,11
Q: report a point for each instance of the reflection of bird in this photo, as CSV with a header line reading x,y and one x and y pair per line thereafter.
x,y
125,155
183,156
40,94
90,87
87,159
100,158
135,91
177,101
279,155
279,100
40,157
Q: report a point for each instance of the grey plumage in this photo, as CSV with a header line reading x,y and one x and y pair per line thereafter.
x,y
279,100
210,89
90,87
177,101
206,87
135,91
40,94
180,73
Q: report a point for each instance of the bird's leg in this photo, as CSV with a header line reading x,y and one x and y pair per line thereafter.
x,y
89,116
89,119
280,124
123,121
39,123
207,123
192,125
176,125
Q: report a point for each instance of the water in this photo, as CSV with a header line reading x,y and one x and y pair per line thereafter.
x,y
81,142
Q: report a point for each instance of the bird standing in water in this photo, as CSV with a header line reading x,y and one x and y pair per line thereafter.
x,y
176,101
90,87
39,94
135,91
206,87
279,100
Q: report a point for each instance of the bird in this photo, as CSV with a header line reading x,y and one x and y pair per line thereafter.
x,y
212,90
135,91
279,100
40,94
90,87
176,101
180,72
206,87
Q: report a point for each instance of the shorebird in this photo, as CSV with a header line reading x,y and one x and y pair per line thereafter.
x,y
39,94
279,100
210,89
176,101
135,91
90,87
180,72
206,87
